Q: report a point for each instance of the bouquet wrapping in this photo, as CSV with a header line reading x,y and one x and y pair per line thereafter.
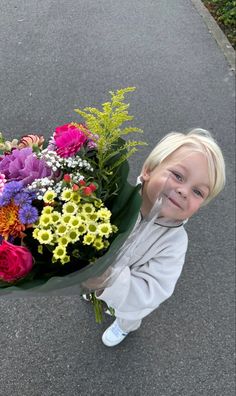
x,y
66,207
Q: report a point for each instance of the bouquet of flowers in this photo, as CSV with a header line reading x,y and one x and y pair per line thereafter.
x,y
66,206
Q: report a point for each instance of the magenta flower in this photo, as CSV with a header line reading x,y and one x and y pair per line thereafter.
x,y
24,165
69,139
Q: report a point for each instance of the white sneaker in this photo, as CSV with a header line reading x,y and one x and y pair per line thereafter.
x,y
113,335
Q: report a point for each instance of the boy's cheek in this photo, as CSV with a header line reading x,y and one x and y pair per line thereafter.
x,y
194,209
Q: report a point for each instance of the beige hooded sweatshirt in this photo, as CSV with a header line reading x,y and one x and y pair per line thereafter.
x,y
151,260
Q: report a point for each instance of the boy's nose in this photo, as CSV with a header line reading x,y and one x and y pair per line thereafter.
x,y
182,191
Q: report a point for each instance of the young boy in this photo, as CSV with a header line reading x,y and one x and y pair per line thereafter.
x,y
186,171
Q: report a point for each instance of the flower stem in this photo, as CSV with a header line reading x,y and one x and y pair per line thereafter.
x,y
97,306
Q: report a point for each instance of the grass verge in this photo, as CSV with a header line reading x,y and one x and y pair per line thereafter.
x,y
224,12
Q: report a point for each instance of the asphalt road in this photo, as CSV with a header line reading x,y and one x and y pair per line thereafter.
x,y
58,55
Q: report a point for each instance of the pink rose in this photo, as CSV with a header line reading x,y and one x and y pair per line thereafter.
x,y
15,262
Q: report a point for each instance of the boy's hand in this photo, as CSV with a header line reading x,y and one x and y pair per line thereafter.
x,y
98,282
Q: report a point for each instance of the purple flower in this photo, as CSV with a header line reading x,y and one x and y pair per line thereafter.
x,y
9,192
28,214
52,144
32,195
22,198
24,165
91,144
4,200
13,188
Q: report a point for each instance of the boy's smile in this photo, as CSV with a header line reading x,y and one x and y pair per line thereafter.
x,y
182,181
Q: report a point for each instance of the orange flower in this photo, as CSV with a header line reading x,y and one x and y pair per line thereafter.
x,y
9,222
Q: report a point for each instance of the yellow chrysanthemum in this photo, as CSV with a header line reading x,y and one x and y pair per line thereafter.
x,y
114,228
81,229
45,220
106,244
9,222
104,229
61,229
79,207
93,216
66,218
56,217
75,221
98,203
66,194
88,239
75,197
47,209
59,252
65,259
92,227
98,243
35,233
70,208
88,209
104,214
44,236
73,235
63,240
49,196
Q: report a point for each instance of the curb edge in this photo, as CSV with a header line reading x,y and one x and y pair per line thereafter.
x,y
216,32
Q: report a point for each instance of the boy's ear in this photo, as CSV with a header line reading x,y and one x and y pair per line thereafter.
x,y
146,174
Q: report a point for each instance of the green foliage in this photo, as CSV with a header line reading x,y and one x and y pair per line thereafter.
x,y
107,124
224,11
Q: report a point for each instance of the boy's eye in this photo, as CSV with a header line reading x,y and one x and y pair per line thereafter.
x,y
198,193
177,176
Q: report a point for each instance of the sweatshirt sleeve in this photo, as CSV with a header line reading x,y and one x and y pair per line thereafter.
x,y
138,290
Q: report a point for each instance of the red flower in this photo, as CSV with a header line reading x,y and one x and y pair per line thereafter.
x,y
93,187
75,187
67,178
87,191
82,183
15,262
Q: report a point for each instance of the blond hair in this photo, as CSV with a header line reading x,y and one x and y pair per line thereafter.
x,y
196,140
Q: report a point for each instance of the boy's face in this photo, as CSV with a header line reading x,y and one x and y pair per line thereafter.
x,y
181,180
